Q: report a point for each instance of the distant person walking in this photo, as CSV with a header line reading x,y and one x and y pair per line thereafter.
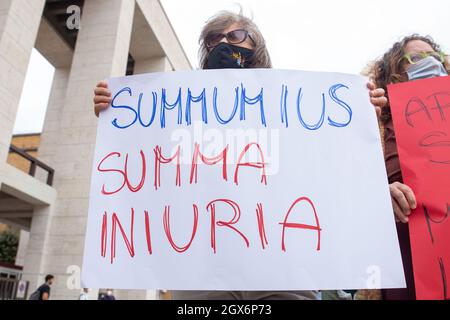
x,y
84,295
107,296
43,292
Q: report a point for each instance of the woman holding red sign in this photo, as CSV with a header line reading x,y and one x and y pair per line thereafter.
x,y
413,58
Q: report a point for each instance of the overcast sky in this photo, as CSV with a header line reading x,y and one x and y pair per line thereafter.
x,y
320,35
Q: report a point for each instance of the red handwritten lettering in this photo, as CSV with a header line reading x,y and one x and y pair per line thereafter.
x,y
124,174
128,243
237,214
286,224
169,234
159,159
258,165
208,161
261,228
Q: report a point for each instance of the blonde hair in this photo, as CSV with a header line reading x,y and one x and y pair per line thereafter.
x,y
221,21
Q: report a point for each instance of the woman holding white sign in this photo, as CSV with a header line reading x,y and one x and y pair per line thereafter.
x,y
230,40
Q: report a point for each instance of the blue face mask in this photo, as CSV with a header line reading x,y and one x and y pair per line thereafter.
x,y
426,68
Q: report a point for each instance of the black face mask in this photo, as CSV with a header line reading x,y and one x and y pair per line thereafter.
x,y
227,56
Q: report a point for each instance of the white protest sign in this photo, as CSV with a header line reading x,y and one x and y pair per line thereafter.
x,y
240,180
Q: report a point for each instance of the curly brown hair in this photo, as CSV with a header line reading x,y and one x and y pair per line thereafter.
x,y
391,67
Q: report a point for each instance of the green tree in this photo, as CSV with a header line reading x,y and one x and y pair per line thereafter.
x,y
8,247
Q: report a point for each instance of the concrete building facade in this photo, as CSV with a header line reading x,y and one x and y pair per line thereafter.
x,y
111,38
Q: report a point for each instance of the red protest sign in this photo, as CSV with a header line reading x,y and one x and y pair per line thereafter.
x,y
421,115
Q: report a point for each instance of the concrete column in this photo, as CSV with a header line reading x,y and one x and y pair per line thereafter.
x,y
159,23
101,51
157,64
24,237
50,132
33,270
19,23
36,250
